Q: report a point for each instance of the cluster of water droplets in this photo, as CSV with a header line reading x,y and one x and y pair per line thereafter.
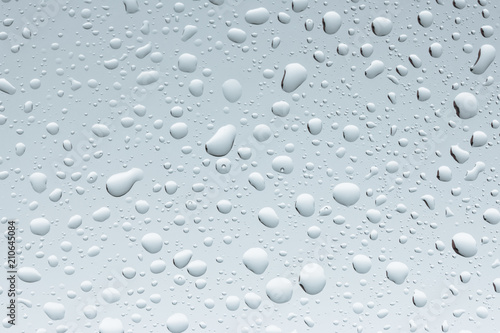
x,y
252,166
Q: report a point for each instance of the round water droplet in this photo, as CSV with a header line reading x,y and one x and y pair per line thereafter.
x,y
312,278
279,290
423,94
465,105
222,141
478,139
351,133
397,272
425,18
419,298
444,173
121,183
152,242
464,244
197,268
361,263
346,194
171,187
196,87
256,260
314,126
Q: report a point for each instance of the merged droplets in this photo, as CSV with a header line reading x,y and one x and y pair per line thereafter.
x,y
152,242
425,18
332,22
381,26
346,194
38,181
351,133
222,141
304,204
283,164
110,325
280,109
397,272
197,268
268,217
361,263
491,215
121,183
179,130
466,105
232,90
294,75
100,130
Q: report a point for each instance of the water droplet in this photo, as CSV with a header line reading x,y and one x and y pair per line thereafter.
x,y
312,278
464,244
279,290
256,260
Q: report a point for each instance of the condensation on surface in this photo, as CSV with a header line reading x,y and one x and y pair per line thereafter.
x,y
251,166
